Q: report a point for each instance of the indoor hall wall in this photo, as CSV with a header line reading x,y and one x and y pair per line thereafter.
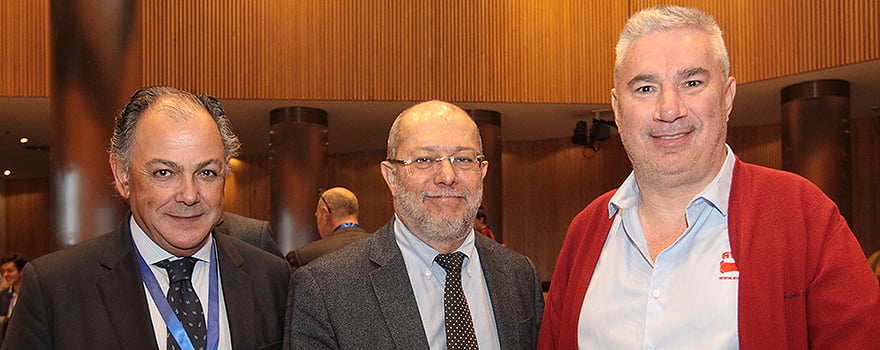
x,y
545,184
248,188
477,51
27,216
865,184
24,48
359,172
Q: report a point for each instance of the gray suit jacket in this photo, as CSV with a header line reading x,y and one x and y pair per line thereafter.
x,y
256,232
360,297
90,296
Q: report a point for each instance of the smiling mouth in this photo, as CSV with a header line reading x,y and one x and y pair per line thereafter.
x,y
671,137
185,217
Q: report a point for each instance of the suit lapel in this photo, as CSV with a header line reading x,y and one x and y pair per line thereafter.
x,y
394,293
122,291
502,294
237,285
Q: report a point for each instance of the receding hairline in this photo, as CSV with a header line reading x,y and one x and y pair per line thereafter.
x,y
424,111
176,107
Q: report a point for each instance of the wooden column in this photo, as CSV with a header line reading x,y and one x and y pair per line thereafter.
x,y
816,137
297,154
95,66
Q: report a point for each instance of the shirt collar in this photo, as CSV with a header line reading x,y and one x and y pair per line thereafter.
x,y
716,193
153,253
408,241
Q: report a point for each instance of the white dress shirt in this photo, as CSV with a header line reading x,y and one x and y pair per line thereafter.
x,y
428,280
152,254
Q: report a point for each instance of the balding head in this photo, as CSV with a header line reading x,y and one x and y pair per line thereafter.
x,y
337,206
428,110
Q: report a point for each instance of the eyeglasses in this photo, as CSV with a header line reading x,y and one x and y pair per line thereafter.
x,y
326,205
463,163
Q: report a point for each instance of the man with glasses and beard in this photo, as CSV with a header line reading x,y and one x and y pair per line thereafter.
x,y
391,290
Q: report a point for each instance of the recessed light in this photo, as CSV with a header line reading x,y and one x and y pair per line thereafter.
x,y
7,172
23,140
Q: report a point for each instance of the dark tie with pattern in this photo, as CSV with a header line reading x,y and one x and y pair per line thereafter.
x,y
184,301
459,325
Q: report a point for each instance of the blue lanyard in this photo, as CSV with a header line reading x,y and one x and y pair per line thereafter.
x,y
347,224
171,321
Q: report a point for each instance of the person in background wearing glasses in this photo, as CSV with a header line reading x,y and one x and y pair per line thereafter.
x,y
387,291
698,249
336,216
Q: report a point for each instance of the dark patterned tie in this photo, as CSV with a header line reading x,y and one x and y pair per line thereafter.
x,y
459,325
184,301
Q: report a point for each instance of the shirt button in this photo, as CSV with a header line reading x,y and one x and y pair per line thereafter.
x,y
655,293
428,274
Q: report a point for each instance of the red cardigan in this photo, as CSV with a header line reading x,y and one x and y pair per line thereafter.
x,y
804,281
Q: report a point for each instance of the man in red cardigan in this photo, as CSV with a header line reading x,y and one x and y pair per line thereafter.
x,y
697,249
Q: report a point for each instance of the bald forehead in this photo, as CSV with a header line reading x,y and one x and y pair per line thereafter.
x,y
434,110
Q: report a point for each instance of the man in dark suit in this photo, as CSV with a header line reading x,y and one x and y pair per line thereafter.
x,y
336,217
256,232
169,155
388,291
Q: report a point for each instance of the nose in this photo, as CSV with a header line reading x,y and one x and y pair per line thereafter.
x,y
446,173
188,193
672,106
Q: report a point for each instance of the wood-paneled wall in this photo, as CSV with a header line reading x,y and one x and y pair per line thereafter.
x,y
27,216
475,51
359,172
24,48
865,220
545,184
248,188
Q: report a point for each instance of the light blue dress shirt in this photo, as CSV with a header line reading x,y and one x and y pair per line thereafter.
x,y
428,280
152,254
686,299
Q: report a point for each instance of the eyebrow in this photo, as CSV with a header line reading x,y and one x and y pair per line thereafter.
x,y
642,78
689,73
459,149
653,78
177,167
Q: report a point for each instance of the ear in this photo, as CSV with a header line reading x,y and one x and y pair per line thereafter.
x,y
120,176
389,176
615,105
729,94
484,169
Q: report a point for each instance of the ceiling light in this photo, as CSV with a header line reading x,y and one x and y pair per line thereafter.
x,y
23,140
7,172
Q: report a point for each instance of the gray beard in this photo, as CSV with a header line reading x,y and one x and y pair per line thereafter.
x,y
428,228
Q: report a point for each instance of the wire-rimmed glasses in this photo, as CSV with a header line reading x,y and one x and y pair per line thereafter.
x,y
458,162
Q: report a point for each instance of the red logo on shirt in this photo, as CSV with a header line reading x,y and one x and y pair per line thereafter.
x,y
728,267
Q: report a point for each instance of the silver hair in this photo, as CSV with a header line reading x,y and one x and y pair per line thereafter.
x,y
143,100
665,18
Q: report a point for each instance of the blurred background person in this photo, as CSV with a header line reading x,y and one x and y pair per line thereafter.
x,y
336,216
256,232
480,224
10,266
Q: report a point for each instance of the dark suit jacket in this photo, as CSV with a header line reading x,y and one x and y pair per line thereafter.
x,y
5,299
256,232
342,237
360,297
90,296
